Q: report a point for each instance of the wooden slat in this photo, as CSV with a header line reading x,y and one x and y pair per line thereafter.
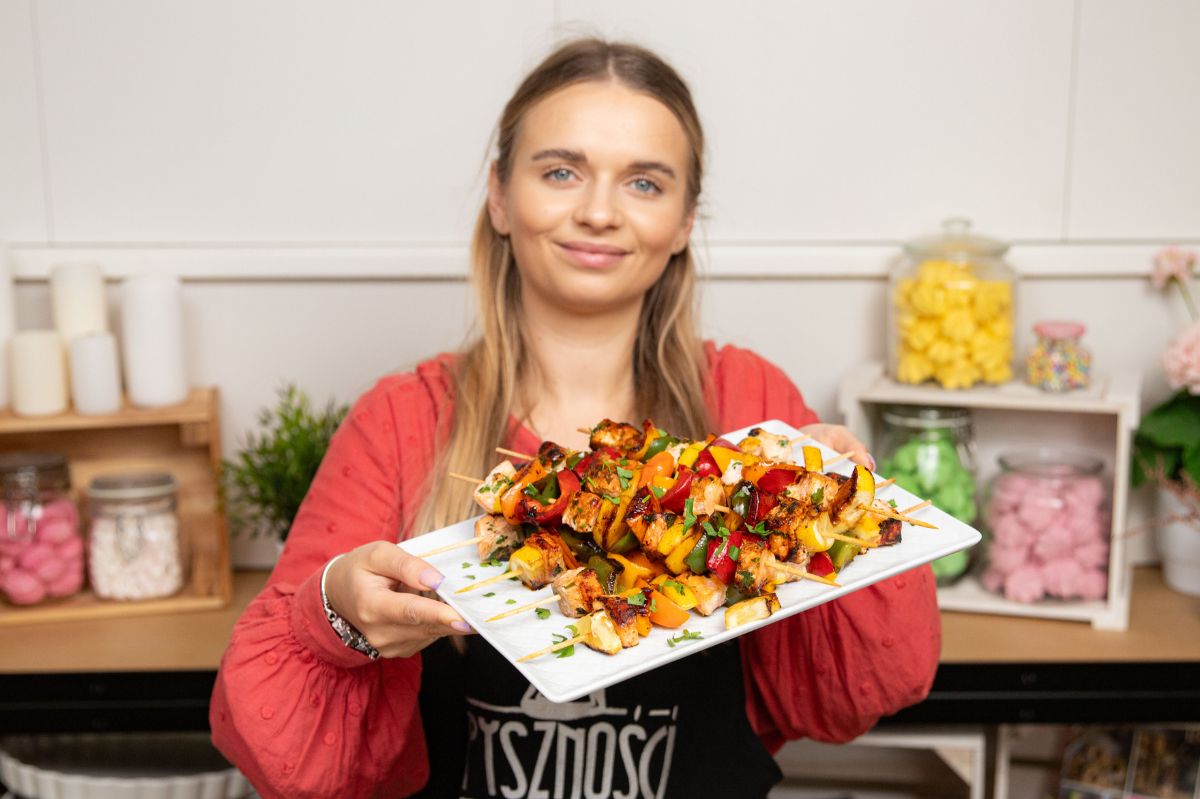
x,y
196,408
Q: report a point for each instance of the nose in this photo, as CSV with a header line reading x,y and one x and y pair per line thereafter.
x,y
597,207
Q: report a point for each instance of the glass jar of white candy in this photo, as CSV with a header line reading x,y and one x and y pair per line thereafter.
x,y
135,548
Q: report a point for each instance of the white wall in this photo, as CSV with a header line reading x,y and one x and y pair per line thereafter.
x,y
312,169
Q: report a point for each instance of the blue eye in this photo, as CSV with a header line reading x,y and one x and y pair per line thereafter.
x,y
645,186
559,175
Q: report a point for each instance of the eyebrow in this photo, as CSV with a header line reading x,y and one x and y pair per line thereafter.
x,y
576,157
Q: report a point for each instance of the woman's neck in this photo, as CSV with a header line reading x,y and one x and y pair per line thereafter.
x,y
583,369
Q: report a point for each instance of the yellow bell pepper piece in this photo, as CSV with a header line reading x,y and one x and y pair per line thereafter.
x,y
675,591
813,460
663,481
689,455
670,539
749,444
629,578
723,456
682,550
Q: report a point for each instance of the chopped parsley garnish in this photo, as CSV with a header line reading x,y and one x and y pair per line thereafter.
x,y
491,562
658,491
759,529
469,576
510,601
718,532
892,502
653,605
638,599
689,518
488,594
466,565
674,585
625,476
686,635
558,638
613,499
542,613
734,552
818,496
486,489
530,491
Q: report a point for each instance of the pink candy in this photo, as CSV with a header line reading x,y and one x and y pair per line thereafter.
x,y
50,563
1049,537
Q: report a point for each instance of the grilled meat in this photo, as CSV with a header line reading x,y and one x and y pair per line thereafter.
x,y
497,538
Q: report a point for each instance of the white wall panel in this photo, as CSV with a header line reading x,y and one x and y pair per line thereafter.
x,y
1136,148
22,197
276,120
867,120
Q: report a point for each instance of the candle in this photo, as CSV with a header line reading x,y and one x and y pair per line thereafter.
x,y
39,379
8,320
152,337
77,299
95,377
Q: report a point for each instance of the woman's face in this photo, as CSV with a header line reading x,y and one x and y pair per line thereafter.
x,y
596,199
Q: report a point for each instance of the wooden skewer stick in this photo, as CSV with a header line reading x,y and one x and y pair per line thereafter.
x,y
885,483
918,506
849,539
897,515
579,639
448,547
464,478
840,457
801,573
585,431
546,600
722,509
513,454
488,581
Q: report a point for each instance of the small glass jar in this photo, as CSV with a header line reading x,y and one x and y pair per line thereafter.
x,y
136,551
1046,527
931,452
1058,362
41,549
951,310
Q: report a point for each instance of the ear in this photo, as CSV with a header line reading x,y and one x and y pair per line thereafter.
x,y
685,232
495,202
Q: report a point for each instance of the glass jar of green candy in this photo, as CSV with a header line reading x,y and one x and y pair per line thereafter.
x,y
931,452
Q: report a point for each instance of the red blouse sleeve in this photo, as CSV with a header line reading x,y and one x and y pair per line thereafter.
x,y
832,672
299,713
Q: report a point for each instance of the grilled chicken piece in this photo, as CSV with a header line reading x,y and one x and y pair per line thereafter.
x,y
767,446
538,561
497,538
746,611
577,590
756,571
488,493
583,512
709,591
706,494
600,632
785,547
600,477
624,616
644,503
655,527
786,516
876,527
814,484
856,493
553,455
622,437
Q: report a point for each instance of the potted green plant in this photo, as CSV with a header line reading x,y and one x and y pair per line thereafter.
x,y
1166,446
263,486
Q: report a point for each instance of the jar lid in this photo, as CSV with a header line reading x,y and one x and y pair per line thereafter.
x,y
25,471
1046,462
1059,328
144,485
956,243
926,417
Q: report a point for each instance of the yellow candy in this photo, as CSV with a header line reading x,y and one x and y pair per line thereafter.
x,y
928,299
942,351
998,373
921,335
914,367
958,374
958,325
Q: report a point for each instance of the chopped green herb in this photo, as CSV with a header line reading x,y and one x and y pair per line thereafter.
x,y
530,490
513,579
510,601
558,638
892,502
491,562
469,576
485,489
759,529
689,518
653,605
488,594
638,599
658,491
542,613
818,496
674,585
686,635
613,499
625,476
734,552
466,565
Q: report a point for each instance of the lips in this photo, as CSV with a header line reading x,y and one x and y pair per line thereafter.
x,y
592,255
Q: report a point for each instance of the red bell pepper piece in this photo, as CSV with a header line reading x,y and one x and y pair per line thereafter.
x,y
675,497
761,504
530,510
820,564
720,564
707,465
724,442
776,480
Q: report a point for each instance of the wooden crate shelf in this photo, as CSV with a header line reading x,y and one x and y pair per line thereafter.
x,y
183,440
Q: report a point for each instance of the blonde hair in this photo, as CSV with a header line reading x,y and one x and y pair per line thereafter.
x,y
668,358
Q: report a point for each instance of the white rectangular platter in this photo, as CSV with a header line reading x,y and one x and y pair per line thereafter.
x,y
567,679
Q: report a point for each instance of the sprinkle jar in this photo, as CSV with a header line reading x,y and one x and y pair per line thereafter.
x,y
1058,362
135,546
41,549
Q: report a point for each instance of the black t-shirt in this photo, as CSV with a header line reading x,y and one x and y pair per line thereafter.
x,y
676,731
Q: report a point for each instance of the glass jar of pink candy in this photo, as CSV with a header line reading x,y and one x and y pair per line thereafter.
x,y
41,549
1046,527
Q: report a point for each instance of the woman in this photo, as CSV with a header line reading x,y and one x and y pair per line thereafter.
x,y
585,285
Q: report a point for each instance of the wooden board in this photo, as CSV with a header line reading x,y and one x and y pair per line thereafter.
x,y
183,440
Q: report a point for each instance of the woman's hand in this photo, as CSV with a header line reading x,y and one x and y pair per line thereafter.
x,y
841,439
362,588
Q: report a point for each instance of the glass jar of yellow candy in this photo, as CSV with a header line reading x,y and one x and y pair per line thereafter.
x,y
951,310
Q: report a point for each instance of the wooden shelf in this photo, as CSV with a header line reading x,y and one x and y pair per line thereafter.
x,y
183,440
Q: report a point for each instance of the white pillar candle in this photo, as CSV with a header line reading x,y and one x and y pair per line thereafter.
x,y
39,380
77,298
95,377
8,320
152,338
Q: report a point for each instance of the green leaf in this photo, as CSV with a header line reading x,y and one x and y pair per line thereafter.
x,y
1191,464
542,613
1175,423
638,599
658,491
510,601
818,496
488,594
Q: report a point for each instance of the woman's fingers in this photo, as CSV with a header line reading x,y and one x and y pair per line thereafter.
x,y
431,617
393,562
840,438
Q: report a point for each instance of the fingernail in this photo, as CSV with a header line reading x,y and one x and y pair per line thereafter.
x,y
872,457
431,578
461,626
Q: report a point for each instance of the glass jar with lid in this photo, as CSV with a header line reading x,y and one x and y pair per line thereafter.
x,y
931,452
1046,527
136,551
1058,362
41,549
951,310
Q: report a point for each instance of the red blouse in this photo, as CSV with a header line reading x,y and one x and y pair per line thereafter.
x,y
304,716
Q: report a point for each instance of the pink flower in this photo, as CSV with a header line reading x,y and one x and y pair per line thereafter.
x,y
1172,263
1181,361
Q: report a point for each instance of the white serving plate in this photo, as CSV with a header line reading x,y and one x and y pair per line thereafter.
x,y
566,679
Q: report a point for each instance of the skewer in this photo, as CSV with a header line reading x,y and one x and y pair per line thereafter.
x,y
885,483
488,581
840,457
799,572
513,454
546,600
464,478
897,515
918,506
579,639
448,547
585,431
849,539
